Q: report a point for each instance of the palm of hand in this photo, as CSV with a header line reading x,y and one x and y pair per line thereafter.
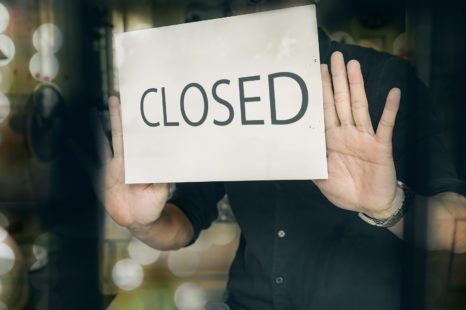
x,y
361,172
128,204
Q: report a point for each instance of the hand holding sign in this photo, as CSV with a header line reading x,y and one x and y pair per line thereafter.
x,y
361,170
130,205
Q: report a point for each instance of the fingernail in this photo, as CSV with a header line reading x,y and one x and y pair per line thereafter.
x,y
396,92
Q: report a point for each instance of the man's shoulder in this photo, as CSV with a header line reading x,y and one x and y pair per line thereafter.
x,y
364,53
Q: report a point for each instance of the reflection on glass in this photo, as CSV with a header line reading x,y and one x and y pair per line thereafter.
x,y
43,67
47,39
127,274
183,263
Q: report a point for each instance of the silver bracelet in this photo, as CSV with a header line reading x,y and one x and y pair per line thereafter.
x,y
399,213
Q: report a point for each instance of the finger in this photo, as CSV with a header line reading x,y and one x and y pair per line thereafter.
x,y
330,113
104,141
115,120
359,105
341,90
387,121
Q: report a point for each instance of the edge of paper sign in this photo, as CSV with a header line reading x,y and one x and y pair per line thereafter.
x,y
129,180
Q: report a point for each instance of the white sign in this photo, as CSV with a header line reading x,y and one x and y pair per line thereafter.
x,y
229,99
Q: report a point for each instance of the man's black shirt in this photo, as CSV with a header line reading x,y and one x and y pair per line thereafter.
x,y
299,251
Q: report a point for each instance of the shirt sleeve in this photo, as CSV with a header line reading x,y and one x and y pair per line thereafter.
x,y
199,203
421,158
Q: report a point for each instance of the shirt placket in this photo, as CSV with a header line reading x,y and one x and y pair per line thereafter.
x,y
279,275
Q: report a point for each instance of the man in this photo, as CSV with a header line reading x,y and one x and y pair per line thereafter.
x,y
303,245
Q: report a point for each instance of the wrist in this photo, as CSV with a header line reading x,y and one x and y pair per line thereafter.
x,y
406,199
141,230
393,207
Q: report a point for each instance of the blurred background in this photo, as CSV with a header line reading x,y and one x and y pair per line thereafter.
x,y
58,249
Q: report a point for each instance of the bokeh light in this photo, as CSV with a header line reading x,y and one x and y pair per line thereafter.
x,y
190,296
223,233
7,259
47,39
203,242
142,253
4,107
127,274
220,233
184,262
7,47
4,17
43,67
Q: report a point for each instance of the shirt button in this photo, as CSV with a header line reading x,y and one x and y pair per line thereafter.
x,y
281,234
279,280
